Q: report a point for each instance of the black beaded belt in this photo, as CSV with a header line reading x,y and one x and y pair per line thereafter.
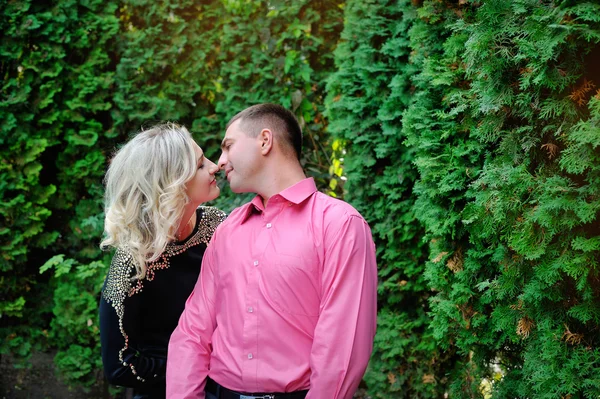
x,y
223,393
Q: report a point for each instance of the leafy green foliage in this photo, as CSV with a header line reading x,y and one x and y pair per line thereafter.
x,y
74,327
512,289
368,97
489,118
55,88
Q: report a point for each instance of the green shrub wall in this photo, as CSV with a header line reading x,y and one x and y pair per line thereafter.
x,y
57,79
484,115
368,97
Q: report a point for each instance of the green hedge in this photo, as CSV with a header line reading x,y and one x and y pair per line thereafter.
x,y
56,98
368,97
482,119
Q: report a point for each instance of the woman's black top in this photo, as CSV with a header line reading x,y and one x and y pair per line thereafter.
x,y
137,317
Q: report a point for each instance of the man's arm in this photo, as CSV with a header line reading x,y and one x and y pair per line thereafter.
x,y
189,351
348,314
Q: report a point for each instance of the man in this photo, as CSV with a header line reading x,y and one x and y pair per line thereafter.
x,y
286,299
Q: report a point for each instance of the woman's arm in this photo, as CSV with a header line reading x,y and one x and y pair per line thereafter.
x,y
119,313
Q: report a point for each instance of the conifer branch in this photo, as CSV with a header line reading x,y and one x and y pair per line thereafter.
x,y
579,94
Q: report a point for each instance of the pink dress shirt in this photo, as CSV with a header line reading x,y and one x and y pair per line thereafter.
x,y
286,301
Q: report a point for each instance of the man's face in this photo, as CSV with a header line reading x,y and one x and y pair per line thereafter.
x,y
240,159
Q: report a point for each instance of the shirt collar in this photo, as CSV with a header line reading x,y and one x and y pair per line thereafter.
x,y
300,191
295,194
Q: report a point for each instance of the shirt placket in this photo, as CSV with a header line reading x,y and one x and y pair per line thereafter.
x,y
262,224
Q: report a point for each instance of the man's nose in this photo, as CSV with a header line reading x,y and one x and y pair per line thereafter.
x,y
222,161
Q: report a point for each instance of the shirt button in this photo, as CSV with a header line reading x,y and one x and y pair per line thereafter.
x,y
269,225
249,355
250,309
255,263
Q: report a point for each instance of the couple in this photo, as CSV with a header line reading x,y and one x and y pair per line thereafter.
x,y
284,305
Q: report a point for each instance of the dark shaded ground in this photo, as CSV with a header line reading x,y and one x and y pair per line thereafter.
x,y
37,382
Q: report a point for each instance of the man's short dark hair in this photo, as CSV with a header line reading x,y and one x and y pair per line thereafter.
x,y
281,121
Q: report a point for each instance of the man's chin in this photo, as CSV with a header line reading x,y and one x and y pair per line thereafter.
x,y
239,189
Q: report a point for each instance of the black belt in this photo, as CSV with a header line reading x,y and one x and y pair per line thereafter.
x,y
223,393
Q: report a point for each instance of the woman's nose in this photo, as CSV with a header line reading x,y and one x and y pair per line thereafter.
x,y
212,168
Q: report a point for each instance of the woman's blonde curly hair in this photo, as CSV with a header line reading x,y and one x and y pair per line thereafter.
x,y
146,192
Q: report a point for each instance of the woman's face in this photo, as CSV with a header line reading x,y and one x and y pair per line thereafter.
x,y
203,186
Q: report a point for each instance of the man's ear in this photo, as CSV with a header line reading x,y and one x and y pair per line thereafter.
x,y
266,141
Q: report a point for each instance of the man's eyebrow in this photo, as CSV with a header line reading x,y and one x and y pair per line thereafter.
x,y
223,143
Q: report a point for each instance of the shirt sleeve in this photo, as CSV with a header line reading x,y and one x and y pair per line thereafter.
x,y
343,338
190,344
124,363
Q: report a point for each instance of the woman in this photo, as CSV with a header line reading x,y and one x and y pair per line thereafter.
x,y
154,187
